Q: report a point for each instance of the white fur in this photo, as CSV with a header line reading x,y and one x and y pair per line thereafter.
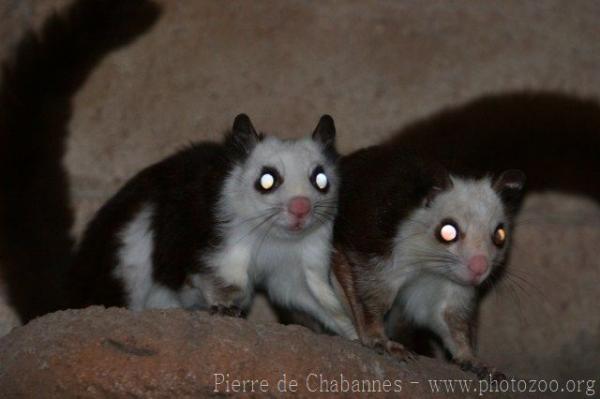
x,y
134,268
193,294
425,289
292,266
160,297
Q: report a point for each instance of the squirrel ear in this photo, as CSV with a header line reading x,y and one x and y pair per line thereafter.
x,y
243,135
441,181
509,182
325,132
242,126
509,186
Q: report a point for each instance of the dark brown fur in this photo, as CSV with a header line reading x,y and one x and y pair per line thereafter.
x,y
184,189
380,188
461,329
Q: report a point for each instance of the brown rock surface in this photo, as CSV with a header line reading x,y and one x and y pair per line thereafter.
x,y
156,354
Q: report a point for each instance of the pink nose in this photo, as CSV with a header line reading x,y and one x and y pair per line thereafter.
x,y
299,207
478,264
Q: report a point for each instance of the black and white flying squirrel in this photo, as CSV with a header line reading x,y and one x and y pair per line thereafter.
x,y
206,226
199,229
393,261
411,236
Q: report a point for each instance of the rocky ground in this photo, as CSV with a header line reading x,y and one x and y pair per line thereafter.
x,y
179,354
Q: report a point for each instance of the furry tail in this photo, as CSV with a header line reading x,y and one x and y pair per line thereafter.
x,y
35,107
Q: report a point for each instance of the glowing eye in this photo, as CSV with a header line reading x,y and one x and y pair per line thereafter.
x,y
448,233
267,181
321,181
499,236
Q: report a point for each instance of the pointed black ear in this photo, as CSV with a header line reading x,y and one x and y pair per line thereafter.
x,y
509,185
243,135
325,132
441,181
325,135
242,126
510,180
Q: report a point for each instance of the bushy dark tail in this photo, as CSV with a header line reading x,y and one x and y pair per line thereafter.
x,y
35,107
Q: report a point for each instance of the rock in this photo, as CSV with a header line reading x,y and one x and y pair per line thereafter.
x,y
100,352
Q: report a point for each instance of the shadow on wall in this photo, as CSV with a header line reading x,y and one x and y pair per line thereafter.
x,y
554,138
35,108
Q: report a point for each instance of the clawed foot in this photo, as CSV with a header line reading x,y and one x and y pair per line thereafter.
x,y
222,310
482,371
397,350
